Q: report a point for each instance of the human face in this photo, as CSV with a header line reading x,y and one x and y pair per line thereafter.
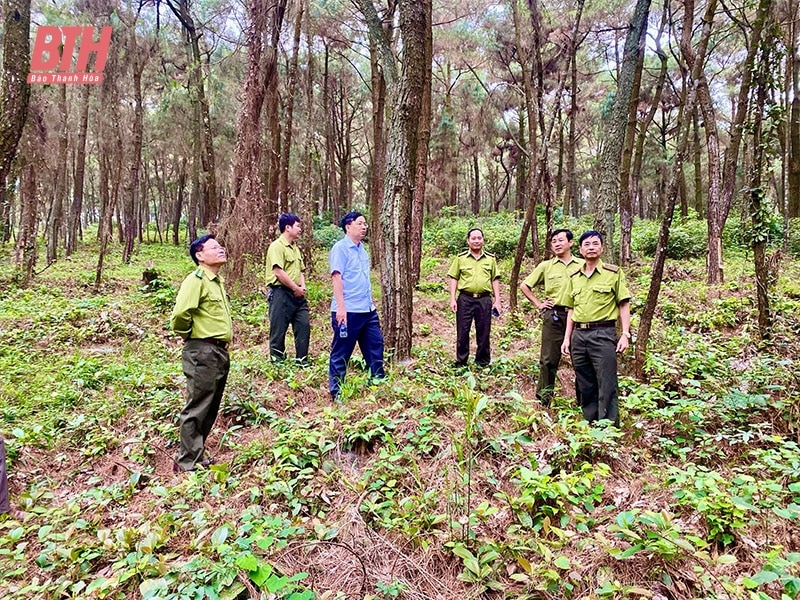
x,y
475,240
560,244
212,254
293,231
357,230
591,248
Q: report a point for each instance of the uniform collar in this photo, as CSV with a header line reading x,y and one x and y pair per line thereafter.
x,y
285,242
600,267
572,259
211,275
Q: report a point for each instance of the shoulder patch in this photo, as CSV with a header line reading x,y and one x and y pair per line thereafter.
x,y
612,268
489,253
198,272
464,253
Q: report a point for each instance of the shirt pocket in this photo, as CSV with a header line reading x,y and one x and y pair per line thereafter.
x,y
215,304
602,291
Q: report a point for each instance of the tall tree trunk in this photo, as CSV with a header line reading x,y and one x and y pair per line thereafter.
x,y
244,229
56,217
793,82
378,167
14,93
697,154
423,141
131,201
530,224
614,140
79,174
211,209
34,139
291,88
406,94
767,64
723,181
690,97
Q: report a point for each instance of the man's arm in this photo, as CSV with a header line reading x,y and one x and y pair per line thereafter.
x,y
185,304
286,281
567,334
625,321
338,293
528,293
496,289
453,288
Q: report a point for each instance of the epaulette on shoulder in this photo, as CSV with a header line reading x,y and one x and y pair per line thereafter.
x,y
612,268
487,253
464,253
198,272
574,273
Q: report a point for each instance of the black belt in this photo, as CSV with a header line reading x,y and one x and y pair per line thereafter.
x,y
477,294
596,324
214,341
560,309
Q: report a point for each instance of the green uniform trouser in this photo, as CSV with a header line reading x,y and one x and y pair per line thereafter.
x,y
594,357
206,368
552,337
285,309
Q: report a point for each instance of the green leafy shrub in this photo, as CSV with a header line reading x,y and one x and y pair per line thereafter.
x,y
687,238
327,235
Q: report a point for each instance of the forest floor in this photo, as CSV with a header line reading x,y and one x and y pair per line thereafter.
x,y
434,483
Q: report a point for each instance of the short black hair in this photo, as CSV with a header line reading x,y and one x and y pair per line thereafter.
x,y
590,233
475,229
287,220
349,218
565,231
197,246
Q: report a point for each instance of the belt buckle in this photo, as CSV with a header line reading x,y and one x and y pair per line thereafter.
x,y
476,295
583,325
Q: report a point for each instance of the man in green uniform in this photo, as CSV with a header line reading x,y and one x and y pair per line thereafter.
x,y
473,274
553,275
202,317
287,296
597,297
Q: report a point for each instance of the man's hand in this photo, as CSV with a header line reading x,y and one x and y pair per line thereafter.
x,y
300,292
547,304
565,347
341,316
453,305
622,344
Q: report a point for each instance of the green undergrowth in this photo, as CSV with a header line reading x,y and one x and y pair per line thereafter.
x,y
695,496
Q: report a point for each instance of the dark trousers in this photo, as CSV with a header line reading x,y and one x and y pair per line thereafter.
x,y
550,357
471,309
284,310
5,506
364,329
594,357
206,368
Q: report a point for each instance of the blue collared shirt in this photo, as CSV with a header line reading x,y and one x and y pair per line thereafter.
x,y
352,262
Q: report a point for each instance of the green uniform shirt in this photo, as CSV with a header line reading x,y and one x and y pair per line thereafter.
x,y
285,256
597,298
202,309
474,275
554,273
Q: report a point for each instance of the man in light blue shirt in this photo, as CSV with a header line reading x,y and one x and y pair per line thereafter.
x,y
353,315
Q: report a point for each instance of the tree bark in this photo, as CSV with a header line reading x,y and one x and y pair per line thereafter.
x,y
55,219
14,93
291,89
244,229
614,140
79,174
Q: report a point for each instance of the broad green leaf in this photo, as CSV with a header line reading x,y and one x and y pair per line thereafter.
x,y
562,562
